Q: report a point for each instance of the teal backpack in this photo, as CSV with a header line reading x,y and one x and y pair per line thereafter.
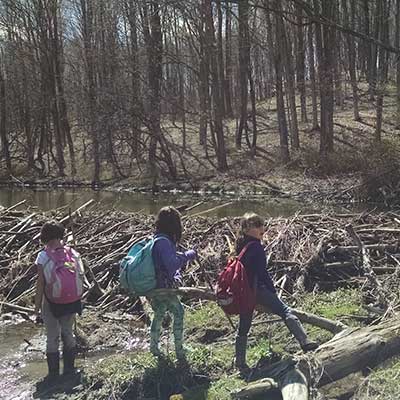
x,y
137,271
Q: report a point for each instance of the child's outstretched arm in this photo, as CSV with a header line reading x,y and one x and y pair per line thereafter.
x,y
167,256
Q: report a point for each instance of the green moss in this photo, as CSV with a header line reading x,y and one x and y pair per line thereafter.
x,y
206,315
333,305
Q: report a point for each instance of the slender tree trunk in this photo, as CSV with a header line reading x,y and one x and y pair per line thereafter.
x,y
30,149
289,72
300,68
228,61
383,14
221,69
137,106
274,41
351,56
203,80
3,122
62,104
217,101
374,52
243,69
311,62
88,38
324,40
154,50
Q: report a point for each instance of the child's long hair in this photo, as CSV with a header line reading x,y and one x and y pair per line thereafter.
x,y
248,221
168,222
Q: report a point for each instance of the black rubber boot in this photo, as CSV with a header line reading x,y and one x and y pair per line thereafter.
x,y
297,330
240,353
69,361
53,364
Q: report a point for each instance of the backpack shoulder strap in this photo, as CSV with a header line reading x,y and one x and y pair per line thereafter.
x,y
241,254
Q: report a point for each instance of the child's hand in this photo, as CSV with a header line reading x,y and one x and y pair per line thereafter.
x,y
191,255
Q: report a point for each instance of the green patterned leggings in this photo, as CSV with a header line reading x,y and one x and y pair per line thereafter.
x,y
160,305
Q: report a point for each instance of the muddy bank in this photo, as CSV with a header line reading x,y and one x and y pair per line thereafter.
x,y
22,350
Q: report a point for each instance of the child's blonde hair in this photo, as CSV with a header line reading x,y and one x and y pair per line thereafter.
x,y
250,220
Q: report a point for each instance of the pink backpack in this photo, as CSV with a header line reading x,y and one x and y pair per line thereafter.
x,y
63,275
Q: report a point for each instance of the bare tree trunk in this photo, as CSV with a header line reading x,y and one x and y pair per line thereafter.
x,y
3,122
382,13
62,105
289,73
87,33
311,62
280,101
221,69
352,56
203,80
27,121
324,40
217,101
228,61
243,69
374,52
137,106
300,54
154,50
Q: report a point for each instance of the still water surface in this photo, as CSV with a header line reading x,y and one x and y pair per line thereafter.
x,y
46,200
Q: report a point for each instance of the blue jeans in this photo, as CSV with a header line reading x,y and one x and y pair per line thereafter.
x,y
269,300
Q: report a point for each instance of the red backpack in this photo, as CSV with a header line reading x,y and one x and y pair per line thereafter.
x,y
233,291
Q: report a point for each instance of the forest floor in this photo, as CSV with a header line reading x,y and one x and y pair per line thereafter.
x,y
345,176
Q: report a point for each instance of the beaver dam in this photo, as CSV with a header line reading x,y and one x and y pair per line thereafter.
x,y
317,262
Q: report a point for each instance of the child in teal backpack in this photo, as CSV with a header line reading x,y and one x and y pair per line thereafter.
x,y
168,265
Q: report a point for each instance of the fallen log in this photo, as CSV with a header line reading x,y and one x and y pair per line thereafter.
x,y
255,389
352,350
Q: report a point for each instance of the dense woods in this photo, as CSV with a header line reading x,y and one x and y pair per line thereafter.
x,y
88,86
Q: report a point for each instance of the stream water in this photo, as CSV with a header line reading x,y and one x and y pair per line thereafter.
x,y
46,200
22,343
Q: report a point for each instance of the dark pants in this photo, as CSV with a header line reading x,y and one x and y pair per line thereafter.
x,y
272,302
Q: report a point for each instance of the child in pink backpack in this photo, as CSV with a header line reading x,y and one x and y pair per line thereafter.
x,y
58,299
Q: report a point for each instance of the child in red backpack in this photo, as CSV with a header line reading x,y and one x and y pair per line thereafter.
x,y
254,261
58,317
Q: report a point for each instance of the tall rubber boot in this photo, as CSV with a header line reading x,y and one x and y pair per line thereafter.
x,y
69,356
297,330
240,353
53,364
155,333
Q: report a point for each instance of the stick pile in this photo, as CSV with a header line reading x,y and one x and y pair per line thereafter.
x,y
305,252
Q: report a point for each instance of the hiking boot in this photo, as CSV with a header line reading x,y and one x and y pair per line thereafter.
x,y
53,364
297,330
309,346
